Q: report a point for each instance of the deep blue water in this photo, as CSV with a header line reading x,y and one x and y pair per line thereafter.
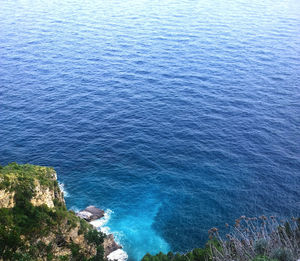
x,y
177,115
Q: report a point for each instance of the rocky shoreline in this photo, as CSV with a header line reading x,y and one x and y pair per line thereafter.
x,y
112,250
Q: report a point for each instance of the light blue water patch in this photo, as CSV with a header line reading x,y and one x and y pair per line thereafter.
x,y
135,230
131,210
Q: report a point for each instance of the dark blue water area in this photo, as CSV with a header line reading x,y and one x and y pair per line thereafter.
x,y
177,116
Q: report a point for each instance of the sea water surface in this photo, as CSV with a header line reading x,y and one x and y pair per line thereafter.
x,y
176,115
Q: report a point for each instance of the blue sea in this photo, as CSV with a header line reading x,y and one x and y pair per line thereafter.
x,y
173,115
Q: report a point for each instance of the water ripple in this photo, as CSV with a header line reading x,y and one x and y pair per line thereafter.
x,y
177,115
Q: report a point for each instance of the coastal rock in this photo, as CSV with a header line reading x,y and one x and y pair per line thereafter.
x,y
96,212
91,213
110,245
43,194
84,215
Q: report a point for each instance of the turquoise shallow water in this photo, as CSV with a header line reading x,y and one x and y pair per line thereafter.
x,y
176,115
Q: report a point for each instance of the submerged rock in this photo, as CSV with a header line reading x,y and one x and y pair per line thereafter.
x,y
91,213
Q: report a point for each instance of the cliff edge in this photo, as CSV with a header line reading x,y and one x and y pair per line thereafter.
x,y
35,223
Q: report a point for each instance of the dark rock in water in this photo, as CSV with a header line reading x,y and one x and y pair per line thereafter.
x,y
91,213
98,213
110,245
84,215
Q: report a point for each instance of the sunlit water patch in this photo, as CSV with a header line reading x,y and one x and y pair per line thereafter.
x,y
135,230
132,222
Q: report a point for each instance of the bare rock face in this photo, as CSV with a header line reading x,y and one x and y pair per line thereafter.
x,y
91,213
42,194
61,240
110,245
7,199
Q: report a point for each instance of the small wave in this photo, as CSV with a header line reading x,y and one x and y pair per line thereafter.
x,y
134,230
100,223
63,189
119,255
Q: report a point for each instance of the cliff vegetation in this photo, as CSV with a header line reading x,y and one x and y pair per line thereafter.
x,y
250,239
35,224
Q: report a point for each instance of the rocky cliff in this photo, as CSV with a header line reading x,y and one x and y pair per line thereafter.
x,y
35,224
42,182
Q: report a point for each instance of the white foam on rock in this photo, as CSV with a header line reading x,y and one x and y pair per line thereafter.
x,y
84,214
119,255
101,222
63,189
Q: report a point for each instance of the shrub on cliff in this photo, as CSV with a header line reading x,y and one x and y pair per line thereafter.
x,y
197,254
261,237
250,239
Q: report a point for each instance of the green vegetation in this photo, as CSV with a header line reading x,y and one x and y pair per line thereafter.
x,y
251,239
30,232
15,176
197,254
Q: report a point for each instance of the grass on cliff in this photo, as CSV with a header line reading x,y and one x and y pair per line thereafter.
x,y
250,239
23,225
13,175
